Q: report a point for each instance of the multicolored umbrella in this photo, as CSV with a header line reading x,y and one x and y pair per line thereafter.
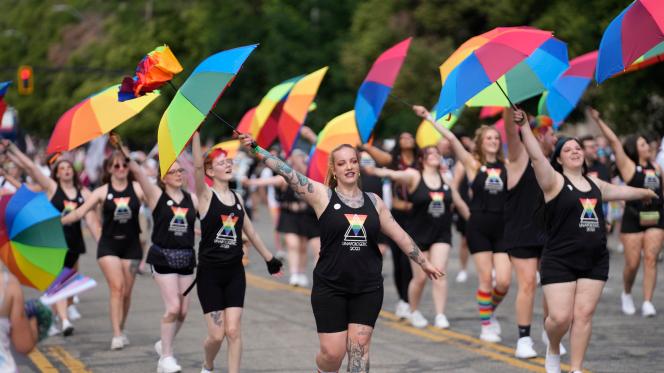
x,y
522,60
3,91
295,108
340,130
632,40
428,135
377,86
93,117
232,147
154,70
566,91
194,101
491,111
32,243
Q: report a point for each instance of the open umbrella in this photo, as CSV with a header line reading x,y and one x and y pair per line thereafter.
x,y
32,243
93,117
500,67
154,70
634,39
340,130
428,135
295,108
376,87
3,90
566,91
195,100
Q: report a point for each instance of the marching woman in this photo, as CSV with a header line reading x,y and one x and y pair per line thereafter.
x,y
642,228
486,173
66,194
432,200
221,282
119,251
171,255
347,293
575,260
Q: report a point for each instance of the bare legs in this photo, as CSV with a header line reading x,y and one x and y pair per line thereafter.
x,y
222,325
334,346
120,275
172,286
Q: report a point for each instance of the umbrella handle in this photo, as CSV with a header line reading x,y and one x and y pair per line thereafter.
x,y
505,94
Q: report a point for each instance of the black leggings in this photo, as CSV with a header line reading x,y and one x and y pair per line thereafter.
x,y
402,271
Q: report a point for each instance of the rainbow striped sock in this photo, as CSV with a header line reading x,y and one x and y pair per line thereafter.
x,y
497,297
484,304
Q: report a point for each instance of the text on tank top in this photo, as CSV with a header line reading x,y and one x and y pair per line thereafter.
x,y
646,177
221,233
488,188
120,213
174,222
521,206
432,210
72,232
349,258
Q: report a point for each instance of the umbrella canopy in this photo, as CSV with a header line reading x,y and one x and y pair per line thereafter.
x,y
428,135
93,117
491,111
194,101
523,60
340,130
565,92
230,146
634,39
32,243
295,108
154,70
377,86
3,90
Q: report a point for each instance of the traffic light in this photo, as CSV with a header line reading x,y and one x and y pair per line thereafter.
x,y
25,80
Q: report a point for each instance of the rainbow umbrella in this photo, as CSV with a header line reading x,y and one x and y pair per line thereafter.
x,y
376,87
3,91
195,100
491,111
506,62
428,135
32,243
232,147
340,130
566,91
93,117
154,70
295,108
634,39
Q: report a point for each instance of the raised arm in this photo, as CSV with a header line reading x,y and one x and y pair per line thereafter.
x,y
626,166
314,193
17,156
381,157
203,192
548,179
611,192
516,153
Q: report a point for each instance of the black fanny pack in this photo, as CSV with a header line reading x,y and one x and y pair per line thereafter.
x,y
183,258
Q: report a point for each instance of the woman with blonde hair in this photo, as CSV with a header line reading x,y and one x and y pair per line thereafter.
x,y
347,293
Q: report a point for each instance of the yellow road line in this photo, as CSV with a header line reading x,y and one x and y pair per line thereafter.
x,y
41,362
74,365
492,350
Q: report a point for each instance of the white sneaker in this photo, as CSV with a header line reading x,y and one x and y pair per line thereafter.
x,y
53,330
125,340
157,347
76,299
67,328
402,310
294,279
205,370
116,343
495,325
524,348
462,276
72,313
488,334
648,309
441,321
302,280
551,362
417,320
168,364
627,304
545,340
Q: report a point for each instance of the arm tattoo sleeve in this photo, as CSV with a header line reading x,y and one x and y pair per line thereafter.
x,y
300,183
415,254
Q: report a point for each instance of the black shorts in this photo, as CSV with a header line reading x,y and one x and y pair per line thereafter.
x,y
460,224
484,232
526,252
335,309
71,259
219,288
441,236
632,224
302,224
123,249
554,270
166,270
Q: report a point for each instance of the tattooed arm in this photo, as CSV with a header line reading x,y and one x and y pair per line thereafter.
x,y
391,229
315,194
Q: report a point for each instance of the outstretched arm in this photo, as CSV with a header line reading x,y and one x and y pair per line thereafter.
x,y
548,179
89,204
625,165
315,194
276,181
17,156
611,192
91,218
381,157
406,177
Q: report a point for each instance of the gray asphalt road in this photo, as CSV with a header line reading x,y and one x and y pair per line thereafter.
x,y
279,333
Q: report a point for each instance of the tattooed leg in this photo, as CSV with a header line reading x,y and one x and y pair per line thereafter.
x,y
359,337
214,338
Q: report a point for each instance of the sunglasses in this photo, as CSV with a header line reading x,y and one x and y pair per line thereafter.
x,y
176,171
118,166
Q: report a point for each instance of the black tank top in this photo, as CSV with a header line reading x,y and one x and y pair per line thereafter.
x,y
646,177
221,233
174,222
73,233
120,214
371,184
521,204
575,226
432,210
349,257
489,188
286,195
